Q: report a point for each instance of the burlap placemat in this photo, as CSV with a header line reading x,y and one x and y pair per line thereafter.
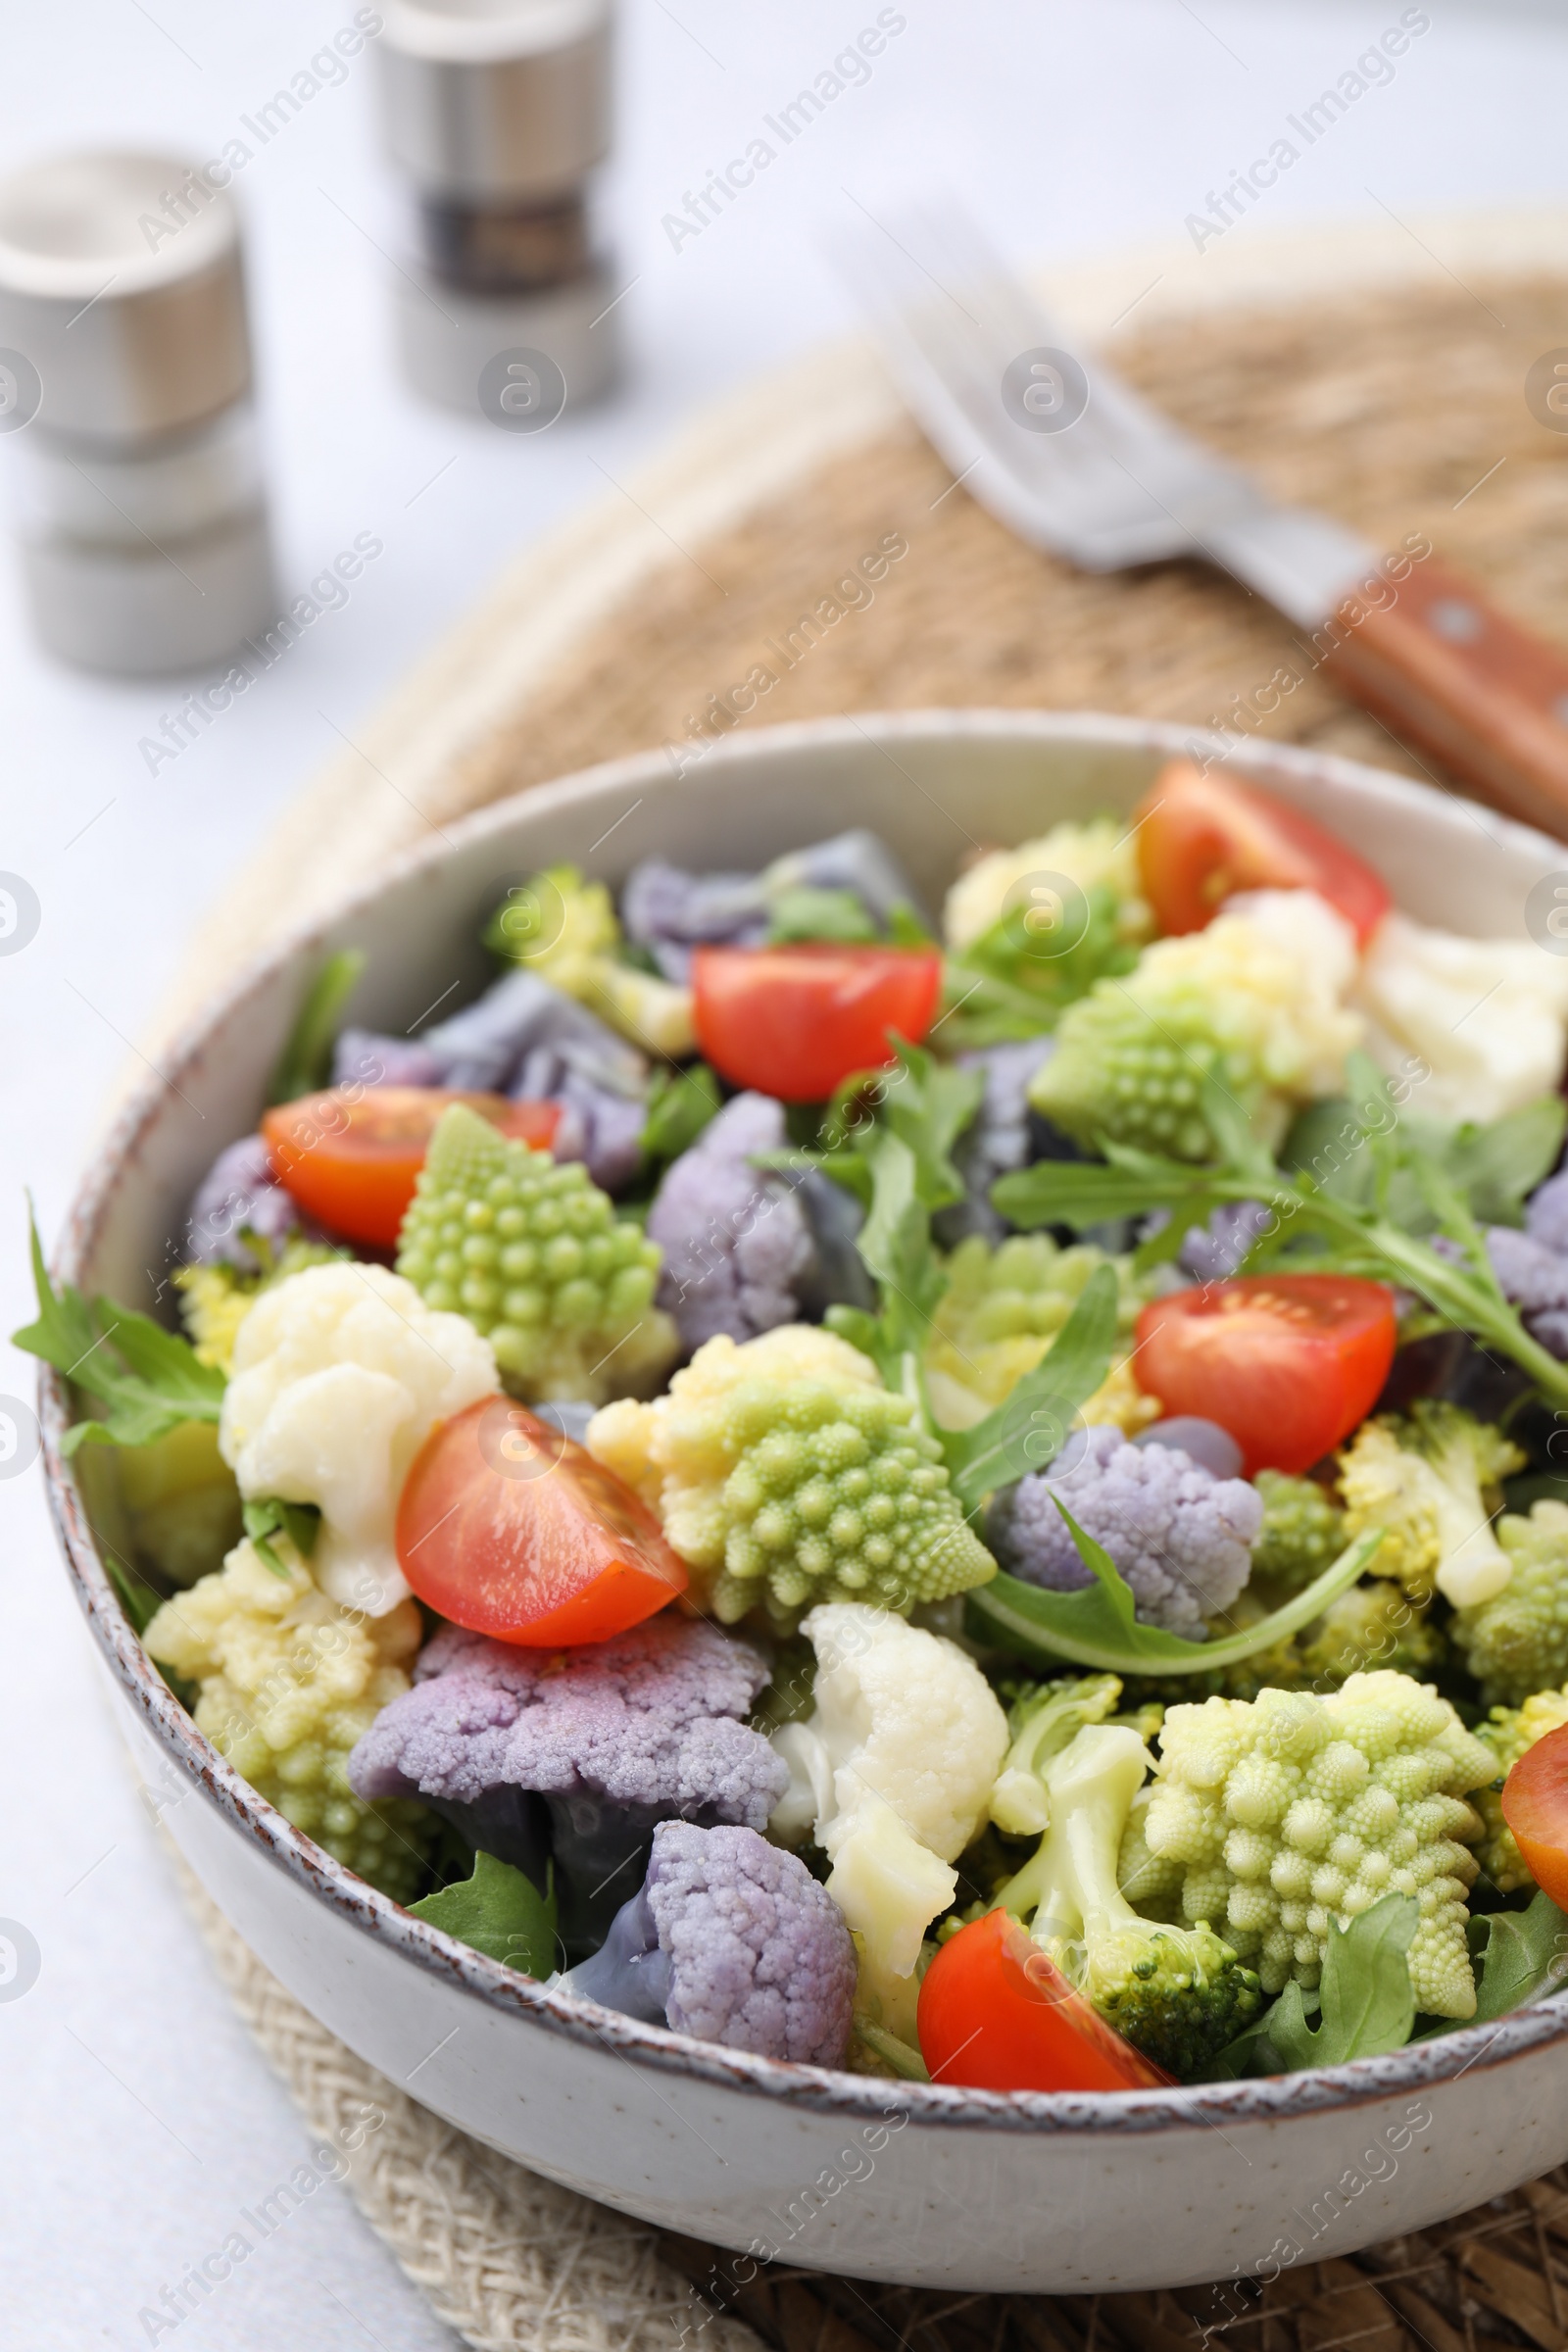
x,y
1398,413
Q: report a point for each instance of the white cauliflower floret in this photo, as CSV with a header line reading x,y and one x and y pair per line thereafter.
x,y
1099,849
1286,1812
1487,1016
340,1374
892,1774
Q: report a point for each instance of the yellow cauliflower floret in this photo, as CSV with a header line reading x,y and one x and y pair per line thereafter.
x,y
1289,1811
1508,1731
1099,849
288,1681
786,1474
1253,1002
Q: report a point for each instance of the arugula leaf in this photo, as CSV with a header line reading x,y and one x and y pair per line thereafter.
x,y
1359,1149
680,1103
1027,1429
138,1599
1097,1625
269,1515
305,1062
1366,2007
1520,1955
500,1912
1314,1227
148,1377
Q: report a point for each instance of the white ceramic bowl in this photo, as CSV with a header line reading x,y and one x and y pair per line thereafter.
x,y
927,2186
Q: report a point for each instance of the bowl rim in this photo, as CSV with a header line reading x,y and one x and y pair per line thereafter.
x,y
198,1767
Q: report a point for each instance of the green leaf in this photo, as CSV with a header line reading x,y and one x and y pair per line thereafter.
x,y
1366,2007
148,1377
927,1104
1026,1430
807,912
139,1601
305,1062
1098,1626
680,1103
1005,987
268,1516
1520,1954
1497,1167
500,1912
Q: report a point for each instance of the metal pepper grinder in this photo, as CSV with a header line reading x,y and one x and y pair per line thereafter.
x,y
125,386
498,113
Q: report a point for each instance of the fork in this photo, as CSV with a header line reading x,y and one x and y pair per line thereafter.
x,y
1051,441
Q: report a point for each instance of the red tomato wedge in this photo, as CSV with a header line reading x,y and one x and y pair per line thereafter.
x,y
350,1156
1535,1805
512,1530
1201,838
1288,1364
794,1021
997,2014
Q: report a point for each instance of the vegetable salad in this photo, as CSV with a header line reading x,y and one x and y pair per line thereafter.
x,y
975,1496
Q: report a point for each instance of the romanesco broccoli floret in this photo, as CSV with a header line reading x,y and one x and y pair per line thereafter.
x,y
1508,1731
1292,1810
1302,1531
534,1254
786,1475
565,929
1253,1002
215,1300
999,1312
1517,1642
1178,1993
1422,1478
288,1681
1094,852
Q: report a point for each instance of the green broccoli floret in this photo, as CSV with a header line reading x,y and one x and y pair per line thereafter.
x,y
1291,1811
1302,1531
785,1474
1178,1993
1375,1624
565,929
1508,1731
287,1682
1423,1477
1516,1643
534,1254
1252,1000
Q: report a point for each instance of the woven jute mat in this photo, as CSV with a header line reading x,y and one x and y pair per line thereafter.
x,y
1398,410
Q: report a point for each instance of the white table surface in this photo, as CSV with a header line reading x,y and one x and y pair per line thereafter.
x,y
137,2118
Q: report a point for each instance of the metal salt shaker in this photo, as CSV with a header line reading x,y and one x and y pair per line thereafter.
x,y
498,113
125,386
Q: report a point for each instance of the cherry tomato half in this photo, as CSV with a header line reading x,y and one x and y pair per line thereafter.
x,y
512,1530
997,2014
350,1156
1201,838
794,1021
1535,1805
1288,1364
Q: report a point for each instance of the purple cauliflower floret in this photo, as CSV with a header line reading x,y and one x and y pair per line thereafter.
x,y
1531,1267
1181,1538
670,911
239,1194
1213,1252
998,1140
578,1753
730,1939
527,1040
738,1249
364,1058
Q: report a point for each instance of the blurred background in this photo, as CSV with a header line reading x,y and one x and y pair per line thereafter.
x,y
140,2119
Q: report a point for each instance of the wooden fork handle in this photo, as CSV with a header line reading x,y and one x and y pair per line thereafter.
x,y
1453,675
